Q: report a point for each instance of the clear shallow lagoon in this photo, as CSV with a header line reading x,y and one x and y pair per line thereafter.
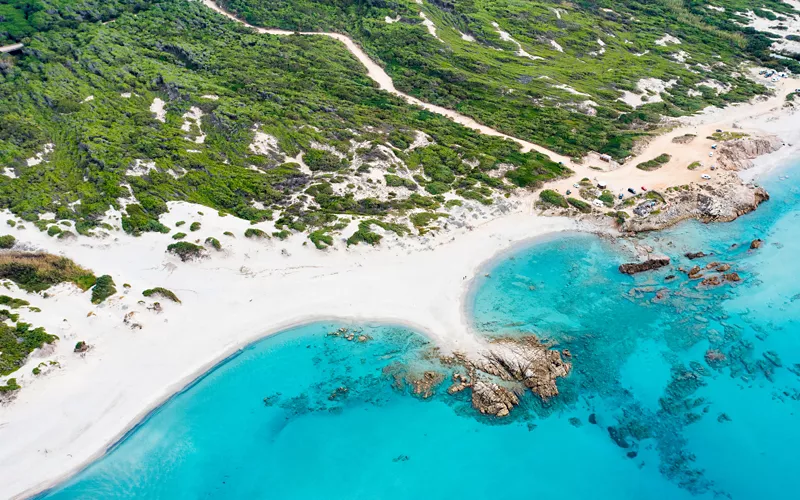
x,y
272,422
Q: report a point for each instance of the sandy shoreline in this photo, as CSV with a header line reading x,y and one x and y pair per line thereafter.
x,y
67,417
231,299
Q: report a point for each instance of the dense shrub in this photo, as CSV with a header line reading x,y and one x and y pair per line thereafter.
x,y
579,204
103,288
39,271
185,250
253,232
7,241
552,198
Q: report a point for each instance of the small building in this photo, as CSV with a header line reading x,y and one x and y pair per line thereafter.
x,y
605,157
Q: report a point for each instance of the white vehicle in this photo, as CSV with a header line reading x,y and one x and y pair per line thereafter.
x,y
711,154
598,203
706,176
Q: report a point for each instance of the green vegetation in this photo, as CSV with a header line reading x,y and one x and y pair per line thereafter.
x,y
488,80
694,165
607,197
195,226
10,386
39,271
214,243
253,232
422,219
103,289
180,223
727,136
178,236
654,164
185,250
11,222
580,205
53,231
17,342
178,52
13,302
7,241
321,238
161,292
550,197
396,181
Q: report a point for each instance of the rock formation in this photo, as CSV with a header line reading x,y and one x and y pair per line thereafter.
x,y
738,154
722,201
648,265
515,364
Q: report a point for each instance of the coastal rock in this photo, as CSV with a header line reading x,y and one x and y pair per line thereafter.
x,y
694,272
734,277
756,244
723,268
738,154
525,360
424,385
493,399
711,281
723,200
695,255
648,265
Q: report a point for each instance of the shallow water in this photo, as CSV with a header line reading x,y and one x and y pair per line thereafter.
x,y
273,422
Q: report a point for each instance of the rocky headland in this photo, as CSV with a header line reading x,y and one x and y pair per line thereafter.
x,y
722,201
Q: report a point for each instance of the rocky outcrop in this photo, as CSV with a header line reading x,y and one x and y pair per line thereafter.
x,y
738,154
695,255
505,370
722,201
493,399
648,265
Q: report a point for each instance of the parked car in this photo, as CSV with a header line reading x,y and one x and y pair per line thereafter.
x,y
631,191
644,188
621,195
705,176
569,192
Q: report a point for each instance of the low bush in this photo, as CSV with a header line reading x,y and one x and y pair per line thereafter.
x,y
185,250
7,241
178,236
214,243
552,198
654,164
195,226
161,292
252,232
103,289
580,205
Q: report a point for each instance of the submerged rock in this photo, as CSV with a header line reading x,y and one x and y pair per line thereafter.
x,y
648,265
695,255
756,244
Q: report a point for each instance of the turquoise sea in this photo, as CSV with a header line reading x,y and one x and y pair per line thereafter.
x,y
691,394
